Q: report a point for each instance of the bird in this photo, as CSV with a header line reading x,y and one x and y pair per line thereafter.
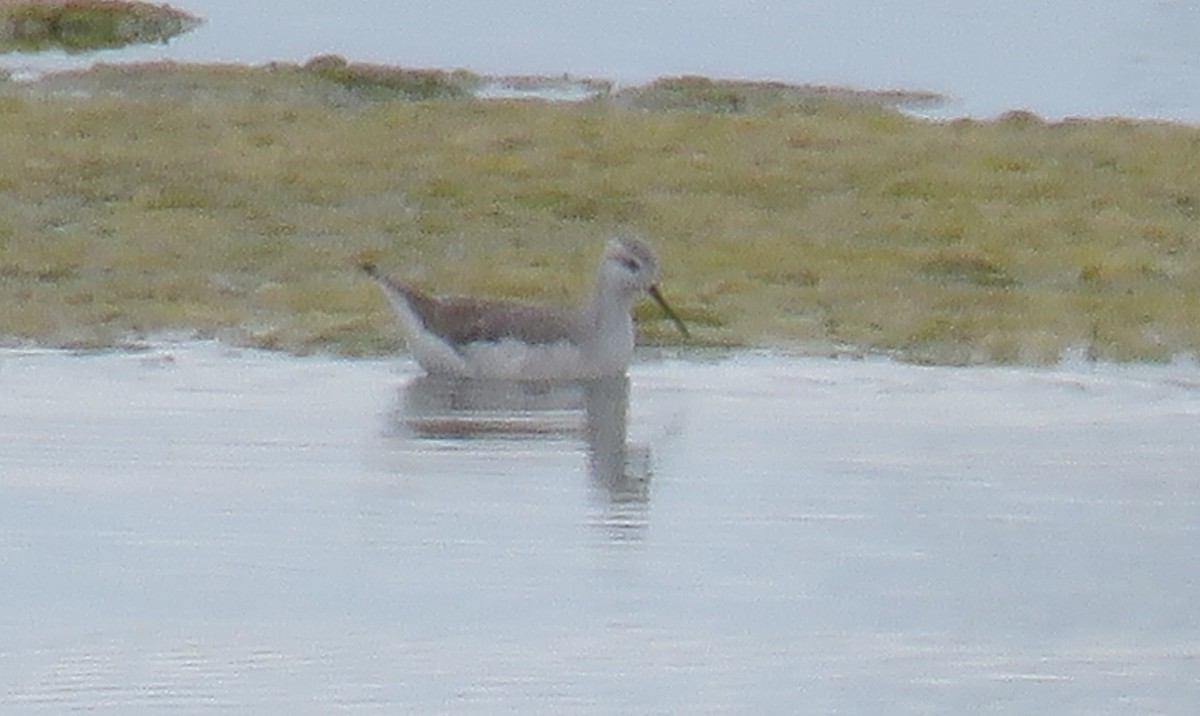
x,y
506,339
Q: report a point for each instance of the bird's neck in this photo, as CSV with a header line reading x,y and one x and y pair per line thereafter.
x,y
610,306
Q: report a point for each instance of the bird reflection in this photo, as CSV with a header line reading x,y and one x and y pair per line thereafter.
x,y
433,406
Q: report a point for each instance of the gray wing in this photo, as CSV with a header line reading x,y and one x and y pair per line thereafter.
x,y
460,321
465,320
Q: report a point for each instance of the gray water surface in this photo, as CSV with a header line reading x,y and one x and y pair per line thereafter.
x,y
1137,58
199,529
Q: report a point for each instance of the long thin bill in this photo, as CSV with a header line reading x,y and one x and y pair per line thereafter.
x,y
653,291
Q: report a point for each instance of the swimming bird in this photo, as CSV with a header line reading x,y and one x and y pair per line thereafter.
x,y
496,338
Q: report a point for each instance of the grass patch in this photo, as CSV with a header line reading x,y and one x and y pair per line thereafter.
x,y
87,25
966,269
704,94
237,202
383,82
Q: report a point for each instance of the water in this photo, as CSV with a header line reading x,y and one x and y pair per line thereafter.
x,y
203,529
1135,58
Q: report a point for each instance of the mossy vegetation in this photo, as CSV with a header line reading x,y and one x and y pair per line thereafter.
x,y
381,82
733,96
237,202
86,25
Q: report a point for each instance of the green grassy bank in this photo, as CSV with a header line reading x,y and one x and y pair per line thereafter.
x,y
236,203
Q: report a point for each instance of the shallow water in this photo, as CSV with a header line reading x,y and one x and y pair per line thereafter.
x,y
1110,57
203,529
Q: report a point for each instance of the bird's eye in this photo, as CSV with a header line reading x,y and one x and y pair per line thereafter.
x,y
630,264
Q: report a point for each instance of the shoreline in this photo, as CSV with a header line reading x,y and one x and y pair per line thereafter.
x,y
667,92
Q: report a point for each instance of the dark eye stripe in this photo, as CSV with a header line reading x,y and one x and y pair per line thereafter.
x,y
630,264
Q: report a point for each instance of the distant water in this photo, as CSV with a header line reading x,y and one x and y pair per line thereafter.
x,y
1137,58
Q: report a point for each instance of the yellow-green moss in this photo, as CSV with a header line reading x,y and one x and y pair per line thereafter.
x,y
86,25
236,202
